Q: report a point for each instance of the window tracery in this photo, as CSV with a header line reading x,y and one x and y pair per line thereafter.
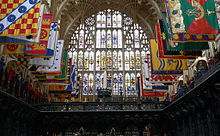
x,y
111,42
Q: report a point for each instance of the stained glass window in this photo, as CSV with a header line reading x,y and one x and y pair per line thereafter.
x,y
109,60
90,88
108,42
115,39
109,39
127,84
138,62
86,61
91,61
85,84
109,22
103,21
103,61
98,83
81,39
80,61
98,39
115,61
103,39
98,60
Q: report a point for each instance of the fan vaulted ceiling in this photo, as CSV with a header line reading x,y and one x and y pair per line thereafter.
x,y
70,13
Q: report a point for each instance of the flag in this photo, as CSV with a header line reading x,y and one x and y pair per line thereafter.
x,y
184,46
41,48
156,78
63,78
56,67
23,38
163,43
52,40
153,93
19,17
145,69
56,87
193,16
23,60
14,49
46,61
165,65
152,90
72,79
160,87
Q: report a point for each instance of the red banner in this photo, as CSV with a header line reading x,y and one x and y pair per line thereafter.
x,y
151,93
41,48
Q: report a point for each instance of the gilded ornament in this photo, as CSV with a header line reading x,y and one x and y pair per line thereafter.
x,y
163,36
211,36
187,36
199,37
176,36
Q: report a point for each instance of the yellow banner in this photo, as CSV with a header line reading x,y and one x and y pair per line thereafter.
x,y
165,65
27,24
57,87
14,49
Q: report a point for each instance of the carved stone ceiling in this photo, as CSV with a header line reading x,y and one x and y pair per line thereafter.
x,y
72,12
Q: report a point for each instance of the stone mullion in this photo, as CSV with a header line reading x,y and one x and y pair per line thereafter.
x,y
112,71
141,60
123,59
83,49
105,49
94,62
134,49
77,65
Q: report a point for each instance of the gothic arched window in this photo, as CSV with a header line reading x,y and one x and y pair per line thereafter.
x,y
111,42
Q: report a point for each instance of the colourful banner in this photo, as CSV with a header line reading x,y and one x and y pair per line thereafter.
x,y
19,17
47,61
14,49
156,78
22,38
52,40
152,93
162,37
165,65
62,79
56,87
41,48
56,67
181,46
23,60
63,71
193,16
72,79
